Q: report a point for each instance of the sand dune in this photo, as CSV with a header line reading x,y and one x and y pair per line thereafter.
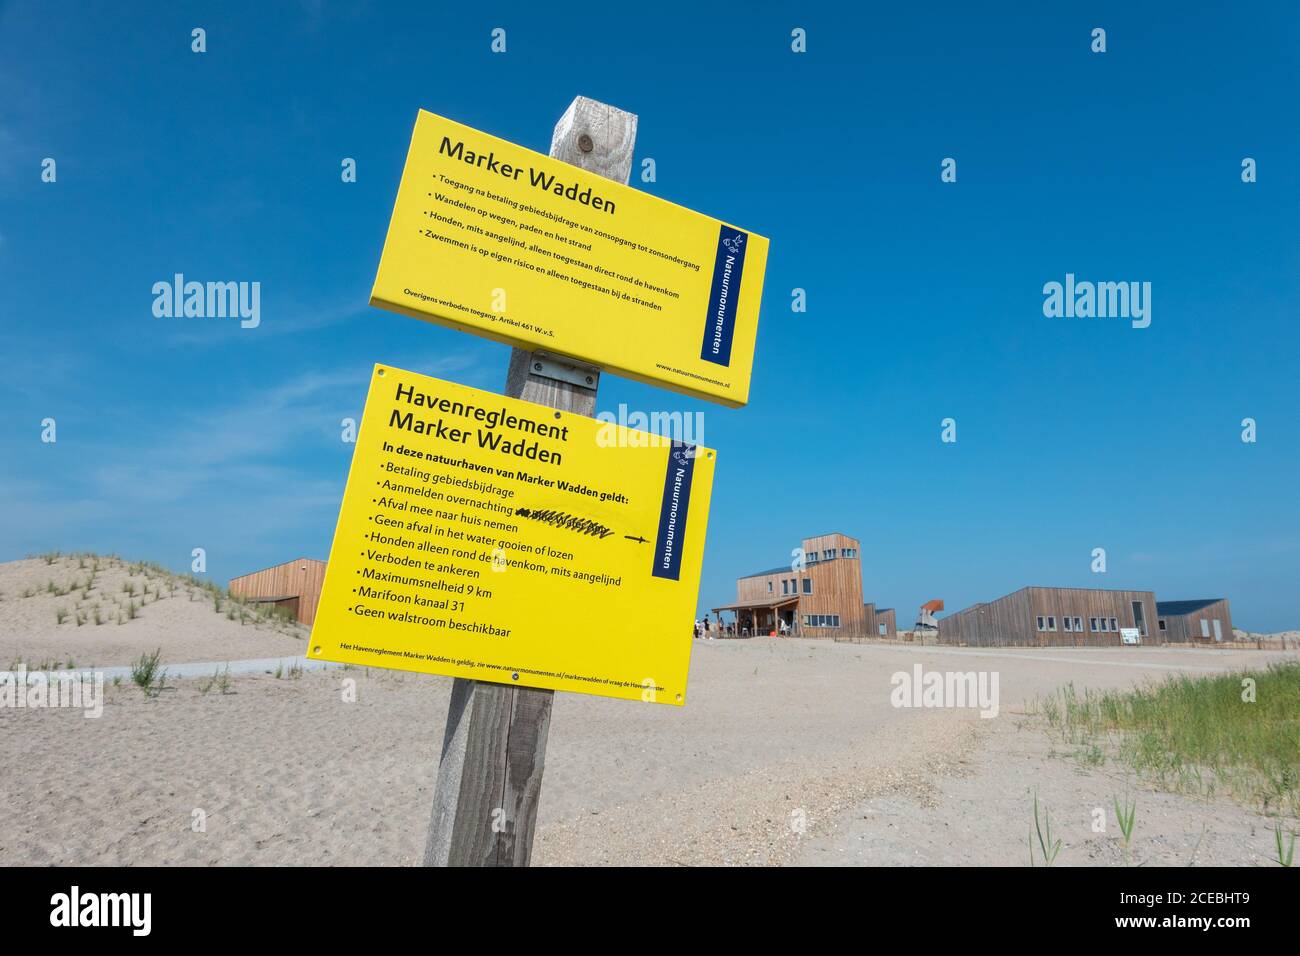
x,y
104,624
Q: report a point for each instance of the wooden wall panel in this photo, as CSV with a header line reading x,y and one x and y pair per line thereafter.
x,y
302,579
1012,620
888,619
1186,628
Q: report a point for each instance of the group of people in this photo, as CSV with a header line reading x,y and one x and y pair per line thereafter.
x,y
713,630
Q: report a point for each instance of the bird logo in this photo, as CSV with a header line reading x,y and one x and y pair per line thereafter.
x,y
733,244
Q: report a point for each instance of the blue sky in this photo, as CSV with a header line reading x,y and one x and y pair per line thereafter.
x,y
924,298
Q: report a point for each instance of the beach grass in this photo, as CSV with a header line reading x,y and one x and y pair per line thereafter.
x,y
147,673
1237,734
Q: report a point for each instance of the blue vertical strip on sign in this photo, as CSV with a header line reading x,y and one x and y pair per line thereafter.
x,y
672,512
724,296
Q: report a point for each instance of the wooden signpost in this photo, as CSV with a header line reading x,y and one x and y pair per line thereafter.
x,y
494,749
558,257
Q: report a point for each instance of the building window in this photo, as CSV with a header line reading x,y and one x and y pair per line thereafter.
x,y
1113,626
1164,625
807,585
1042,623
1139,618
1051,622
1065,624
769,587
1092,624
1078,624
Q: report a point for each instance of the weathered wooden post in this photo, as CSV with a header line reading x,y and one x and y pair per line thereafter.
x,y
493,752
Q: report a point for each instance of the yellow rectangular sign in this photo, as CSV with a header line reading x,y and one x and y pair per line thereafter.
x,y
490,538
495,239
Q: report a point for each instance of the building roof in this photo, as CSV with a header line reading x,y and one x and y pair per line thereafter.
x,y
761,602
783,569
1177,608
282,564
1043,587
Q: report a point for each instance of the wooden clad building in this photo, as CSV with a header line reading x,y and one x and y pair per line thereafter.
x,y
820,596
294,586
880,622
1053,617
1207,619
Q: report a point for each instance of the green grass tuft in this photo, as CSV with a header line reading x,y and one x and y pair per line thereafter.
x,y
1198,735
1048,847
147,673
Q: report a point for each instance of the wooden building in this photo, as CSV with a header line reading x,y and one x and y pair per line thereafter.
x,y
1189,621
818,596
880,622
1053,617
294,586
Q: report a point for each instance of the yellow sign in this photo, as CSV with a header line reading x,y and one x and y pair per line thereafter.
x,y
490,538
495,239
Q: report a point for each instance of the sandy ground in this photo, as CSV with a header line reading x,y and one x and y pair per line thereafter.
x,y
174,616
790,752
979,812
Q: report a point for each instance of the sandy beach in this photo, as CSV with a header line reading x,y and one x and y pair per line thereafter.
x,y
790,752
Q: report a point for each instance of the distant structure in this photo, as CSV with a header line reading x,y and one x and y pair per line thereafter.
x,y
294,586
1072,617
879,622
925,619
820,596
1204,620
